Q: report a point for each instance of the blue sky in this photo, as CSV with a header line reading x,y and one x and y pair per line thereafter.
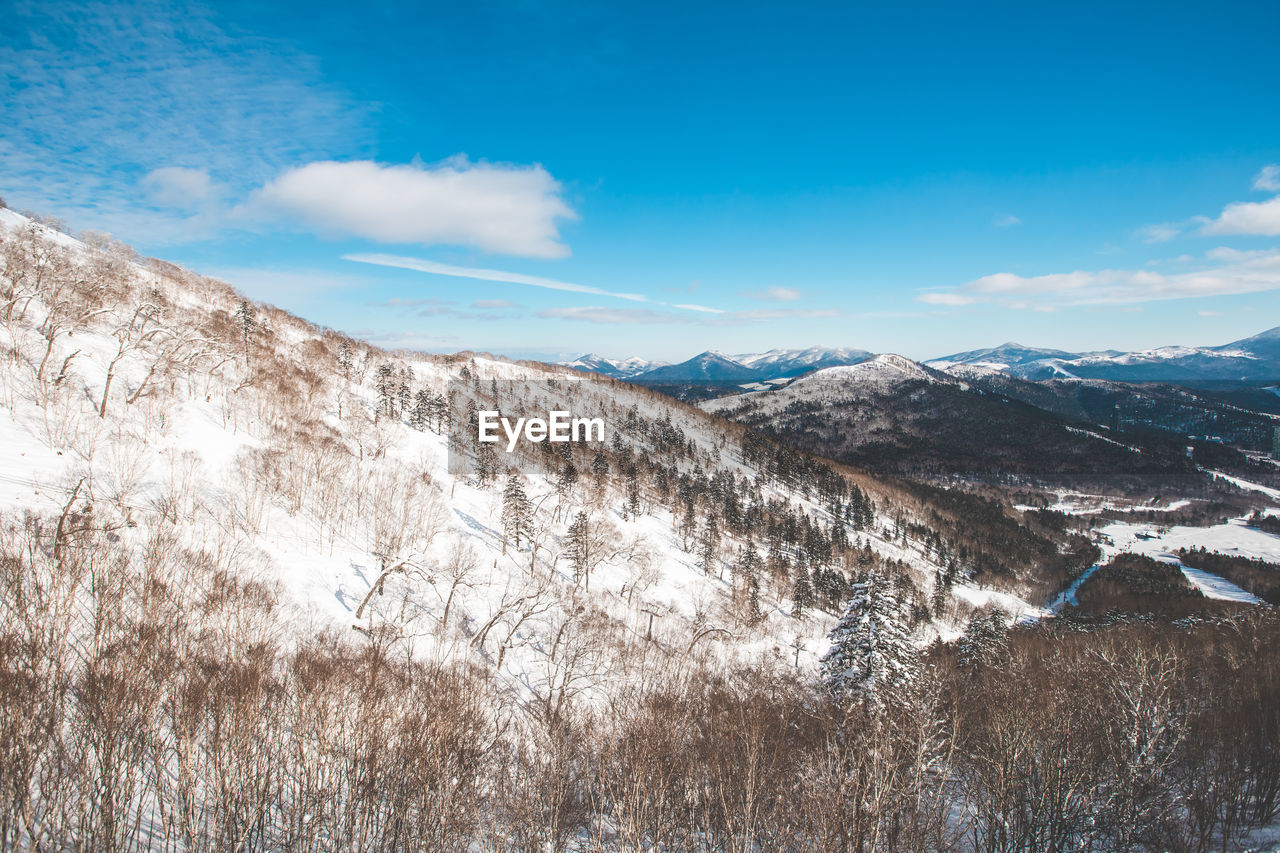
x,y
546,179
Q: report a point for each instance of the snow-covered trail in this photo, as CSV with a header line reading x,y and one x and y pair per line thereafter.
x,y
1068,595
1217,587
1274,494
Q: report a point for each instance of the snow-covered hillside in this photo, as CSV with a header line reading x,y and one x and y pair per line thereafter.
x,y
877,374
149,394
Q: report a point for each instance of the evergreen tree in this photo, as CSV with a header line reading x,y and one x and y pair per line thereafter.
x,y
941,591
344,359
517,512
709,544
404,394
248,319
801,594
872,655
599,468
632,508
578,545
568,477
984,640
422,410
486,464
386,387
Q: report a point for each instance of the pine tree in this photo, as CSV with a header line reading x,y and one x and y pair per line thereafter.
x,y
404,395
872,655
599,468
344,359
486,464
709,544
421,415
801,594
633,491
568,476
248,325
984,640
578,545
386,388
517,512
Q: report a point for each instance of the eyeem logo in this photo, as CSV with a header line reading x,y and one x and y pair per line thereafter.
x,y
559,426
537,425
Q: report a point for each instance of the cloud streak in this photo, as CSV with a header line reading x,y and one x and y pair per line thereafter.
x,y
435,268
775,294
1224,272
619,316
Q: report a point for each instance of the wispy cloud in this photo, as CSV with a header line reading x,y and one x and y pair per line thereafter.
x,y
1268,180
603,314
1223,272
481,309
502,276
1160,233
180,187
1248,217
774,294
945,298
435,268
498,207
285,287
98,96
1006,221
760,315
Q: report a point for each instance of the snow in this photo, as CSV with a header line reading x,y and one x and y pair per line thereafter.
x,y
1234,537
1274,494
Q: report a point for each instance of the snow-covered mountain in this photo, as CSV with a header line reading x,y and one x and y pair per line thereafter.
x,y
877,374
1256,358
710,366
717,367
622,368
783,363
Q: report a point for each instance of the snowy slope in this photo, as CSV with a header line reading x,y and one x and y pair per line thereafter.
x,y
276,453
880,373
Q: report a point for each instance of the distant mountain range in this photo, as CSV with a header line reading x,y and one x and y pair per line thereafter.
x,y
712,367
1250,360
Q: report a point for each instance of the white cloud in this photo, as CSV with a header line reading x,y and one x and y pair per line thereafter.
x,y
179,186
284,286
775,294
703,308
733,318
1007,221
1161,233
1248,217
434,268
944,299
602,314
1268,180
1226,272
502,208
